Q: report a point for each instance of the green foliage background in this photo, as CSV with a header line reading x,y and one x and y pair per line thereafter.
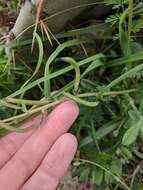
x,y
108,85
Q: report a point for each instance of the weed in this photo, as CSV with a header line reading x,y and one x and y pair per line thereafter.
x,y
99,66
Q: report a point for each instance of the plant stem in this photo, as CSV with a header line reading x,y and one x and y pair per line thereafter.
x,y
111,93
130,22
34,111
106,170
27,102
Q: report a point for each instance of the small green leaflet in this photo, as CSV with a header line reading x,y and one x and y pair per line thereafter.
x,y
132,133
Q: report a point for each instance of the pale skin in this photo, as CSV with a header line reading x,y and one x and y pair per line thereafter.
x,y
37,160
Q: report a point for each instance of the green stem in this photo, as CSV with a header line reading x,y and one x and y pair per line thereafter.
x,y
106,170
33,111
111,93
27,102
130,22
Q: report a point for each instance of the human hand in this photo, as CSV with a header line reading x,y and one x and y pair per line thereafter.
x,y
38,159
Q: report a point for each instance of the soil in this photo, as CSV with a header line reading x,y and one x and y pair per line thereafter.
x,y
71,183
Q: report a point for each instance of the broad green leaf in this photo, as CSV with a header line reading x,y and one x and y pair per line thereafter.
x,y
131,134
